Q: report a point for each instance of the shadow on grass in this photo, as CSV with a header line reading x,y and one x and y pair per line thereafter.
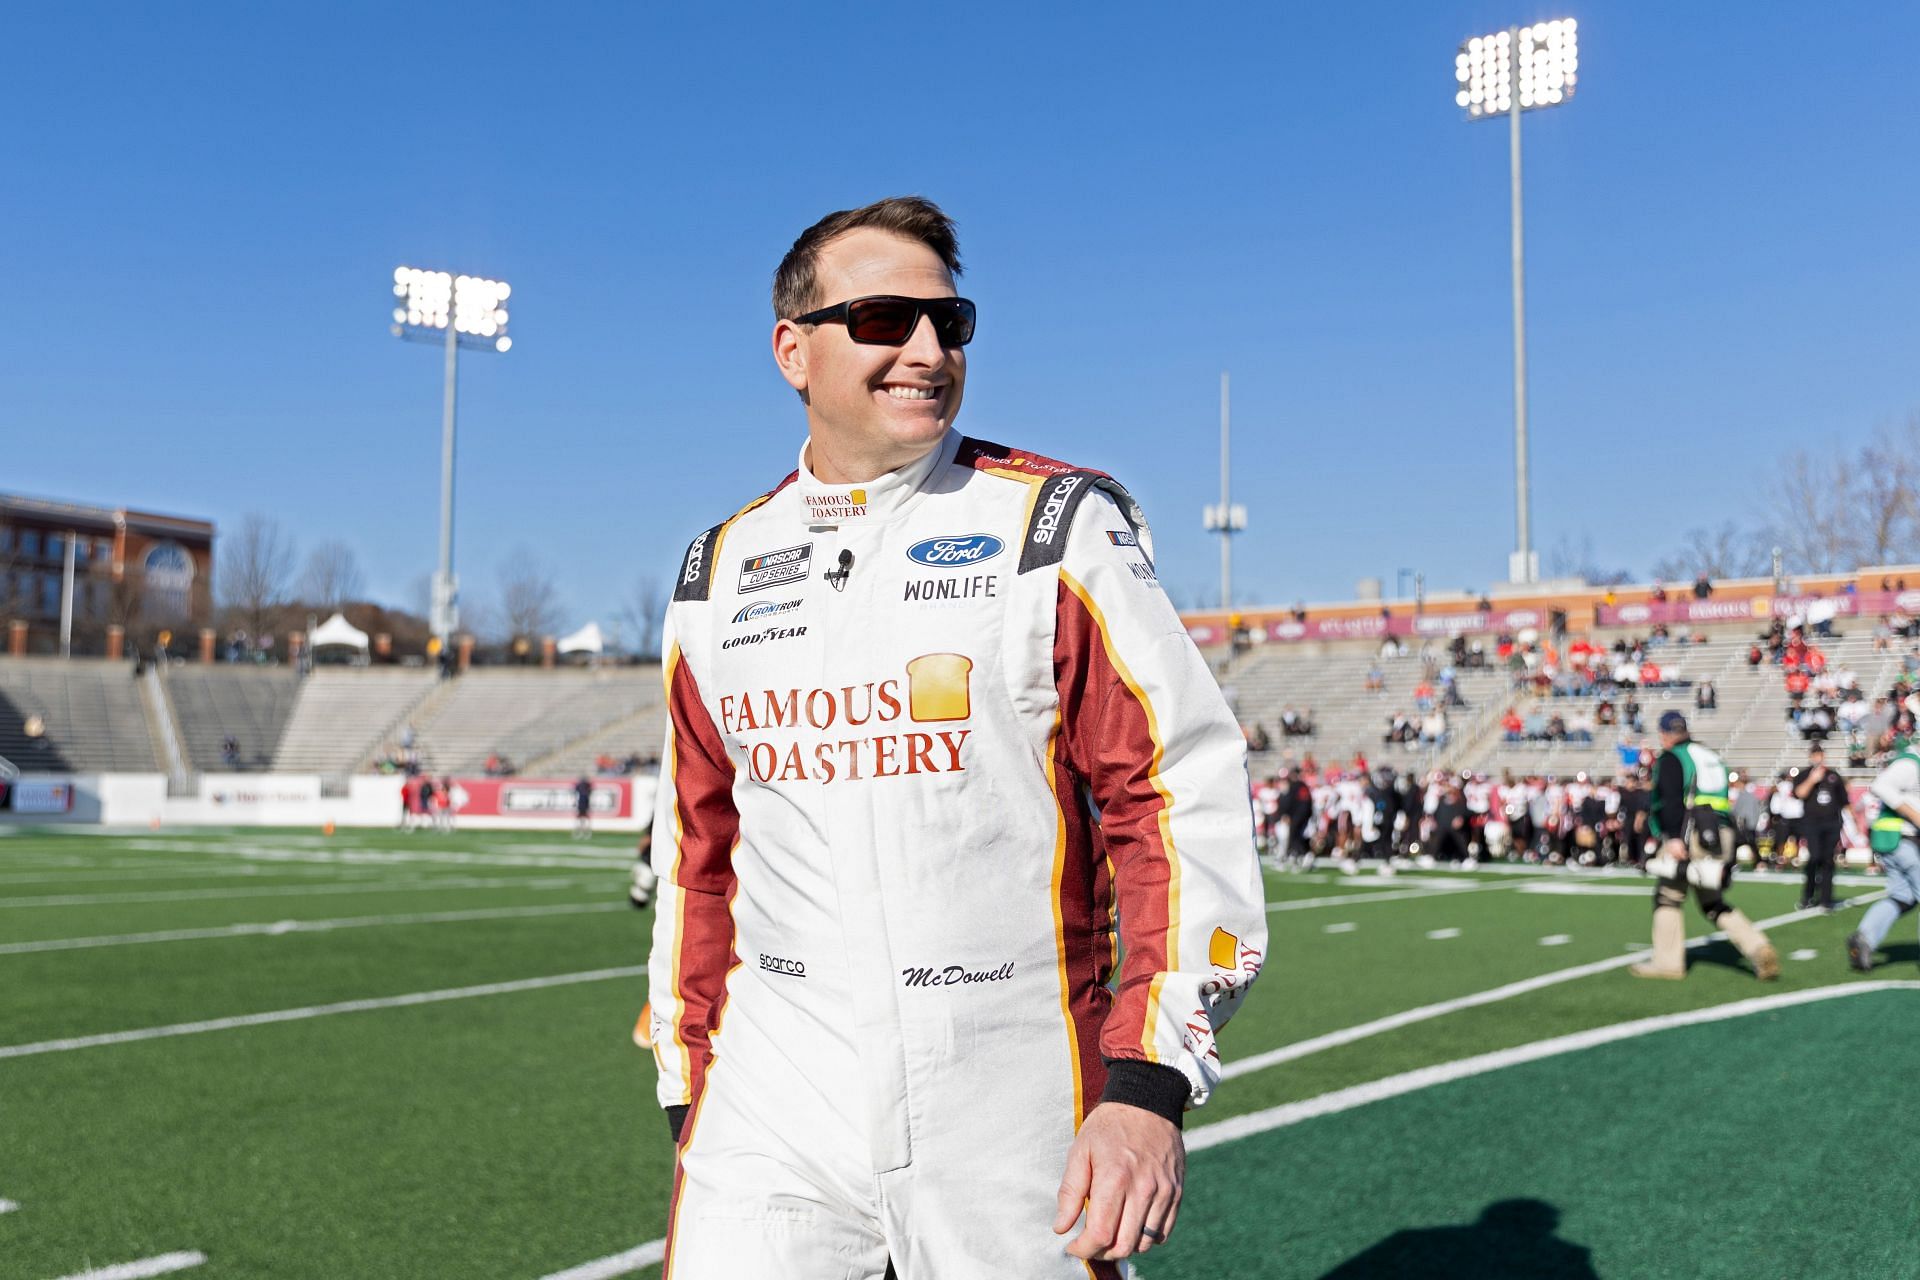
x,y
1513,1240
1892,953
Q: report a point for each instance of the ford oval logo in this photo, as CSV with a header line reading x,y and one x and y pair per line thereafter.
x,y
955,552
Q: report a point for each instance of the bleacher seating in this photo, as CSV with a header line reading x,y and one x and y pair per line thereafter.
x,y
1331,680
250,704
528,714
91,711
341,716
641,733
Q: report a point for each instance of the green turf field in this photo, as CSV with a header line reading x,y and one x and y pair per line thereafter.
x,y
384,1055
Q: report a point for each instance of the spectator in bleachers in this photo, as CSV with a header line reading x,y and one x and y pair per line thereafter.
x,y
1702,587
230,752
1512,727
1604,713
1376,680
1706,697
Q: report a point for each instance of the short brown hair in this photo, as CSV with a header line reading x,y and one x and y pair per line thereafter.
x,y
914,217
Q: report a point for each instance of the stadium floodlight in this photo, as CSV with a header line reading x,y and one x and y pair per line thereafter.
x,y
1228,518
454,311
1504,74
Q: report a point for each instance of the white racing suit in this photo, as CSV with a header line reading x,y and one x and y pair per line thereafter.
x,y
889,921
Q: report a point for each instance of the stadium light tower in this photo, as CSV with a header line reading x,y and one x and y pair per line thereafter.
x,y
1226,519
1504,74
456,311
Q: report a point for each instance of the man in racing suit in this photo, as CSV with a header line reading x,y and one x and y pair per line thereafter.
x,y
1691,816
939,751
1894,841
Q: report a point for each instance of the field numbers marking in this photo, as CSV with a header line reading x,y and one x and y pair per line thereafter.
x,y
317,1011
164,1264
1441,935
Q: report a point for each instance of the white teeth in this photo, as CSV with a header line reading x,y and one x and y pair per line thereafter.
x,y
910,393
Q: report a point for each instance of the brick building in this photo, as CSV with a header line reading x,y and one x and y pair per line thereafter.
x,y
136,574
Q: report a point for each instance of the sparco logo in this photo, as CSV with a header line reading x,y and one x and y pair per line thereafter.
x,y
1049,522
954,975
766,609
696,559
774,964
970,548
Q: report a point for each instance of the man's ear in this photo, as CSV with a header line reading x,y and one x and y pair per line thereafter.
x,y
790,355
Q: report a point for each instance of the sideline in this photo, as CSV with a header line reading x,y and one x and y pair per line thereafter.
x,y
1493,995
1213,1135
158,1266
280,928
294,891
316,1011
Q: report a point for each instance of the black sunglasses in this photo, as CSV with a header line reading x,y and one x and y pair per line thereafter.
x,y
887,320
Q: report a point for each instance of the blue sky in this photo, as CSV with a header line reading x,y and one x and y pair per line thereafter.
x,y
203,205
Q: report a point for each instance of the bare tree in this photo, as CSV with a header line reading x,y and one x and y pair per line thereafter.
x,y
640,614
1814,517
256,566
1569,559
529,602
332,577
1726,551
1888,515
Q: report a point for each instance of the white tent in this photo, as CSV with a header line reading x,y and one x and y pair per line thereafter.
x,y
337,630
586,640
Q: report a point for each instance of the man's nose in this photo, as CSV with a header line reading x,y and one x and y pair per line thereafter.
x,y
923,345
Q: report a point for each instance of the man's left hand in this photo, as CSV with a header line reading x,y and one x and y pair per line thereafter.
x,y
1126,1167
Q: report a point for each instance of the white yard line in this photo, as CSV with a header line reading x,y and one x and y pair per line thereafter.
x,y
165,871
164,1264
1213,1135
1393,1022
295,891
1441,935
1391,895
281,928
317,1011
617,1264
578,860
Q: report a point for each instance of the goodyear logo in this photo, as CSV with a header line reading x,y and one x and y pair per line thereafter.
x,y
955,552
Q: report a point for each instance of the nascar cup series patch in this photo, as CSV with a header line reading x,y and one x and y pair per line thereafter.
x,y
775,568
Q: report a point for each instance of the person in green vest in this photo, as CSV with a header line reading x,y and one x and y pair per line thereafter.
x,y
1692,817
1893,840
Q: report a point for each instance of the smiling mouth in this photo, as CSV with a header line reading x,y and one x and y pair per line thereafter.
x,y
912,393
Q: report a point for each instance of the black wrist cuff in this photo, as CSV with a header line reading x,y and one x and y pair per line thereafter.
x,y
676,1121
1150,1086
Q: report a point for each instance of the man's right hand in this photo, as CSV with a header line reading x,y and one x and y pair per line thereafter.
x,y
1674,849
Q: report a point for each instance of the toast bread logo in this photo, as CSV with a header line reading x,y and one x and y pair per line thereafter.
x,y
1223,949
955,552
775,568
1122,538
848,505
1047,527
938,687
765,609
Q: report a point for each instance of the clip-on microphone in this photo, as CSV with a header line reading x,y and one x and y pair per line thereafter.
x,y
838,577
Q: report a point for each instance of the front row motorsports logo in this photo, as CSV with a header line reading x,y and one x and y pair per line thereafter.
x,y
833,734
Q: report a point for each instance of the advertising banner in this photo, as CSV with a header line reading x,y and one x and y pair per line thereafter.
x,y
43,795
549,799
